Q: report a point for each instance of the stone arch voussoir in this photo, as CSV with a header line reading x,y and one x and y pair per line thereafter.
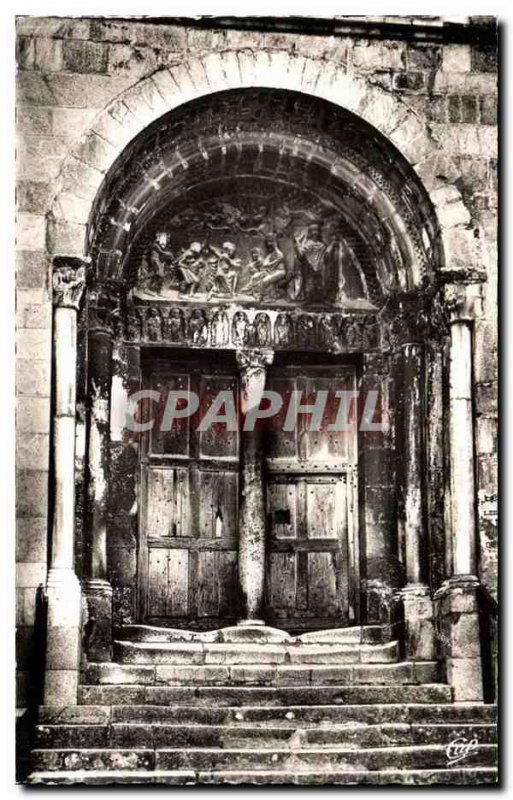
x,y
130,113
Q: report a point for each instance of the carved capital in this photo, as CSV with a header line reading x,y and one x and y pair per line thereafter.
x,y
68,282
254,359
253,365
463,301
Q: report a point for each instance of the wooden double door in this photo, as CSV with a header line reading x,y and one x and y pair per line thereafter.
x,y
190,480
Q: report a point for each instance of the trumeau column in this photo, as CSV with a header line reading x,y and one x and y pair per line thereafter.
x,y
458,597
63,588
417,602
252,365
103,307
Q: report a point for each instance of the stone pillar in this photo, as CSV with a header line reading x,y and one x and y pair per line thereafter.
x,y
417,603
63,588
252,365
103,307
458,598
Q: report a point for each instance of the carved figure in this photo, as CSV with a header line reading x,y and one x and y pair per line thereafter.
x,y
133,327
305,331
283,330
326,332
189,268
154,325
173,325
220,329
240,328
267,272
311,253
226,275
262,328
198,330
158,263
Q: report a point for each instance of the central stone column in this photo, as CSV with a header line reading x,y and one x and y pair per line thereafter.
x,y
253,366
63,588
103,310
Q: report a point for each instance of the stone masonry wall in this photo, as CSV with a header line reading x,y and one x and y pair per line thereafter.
x,y
69,69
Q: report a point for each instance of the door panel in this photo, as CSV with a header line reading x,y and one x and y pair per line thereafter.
x,y
188,536
312,541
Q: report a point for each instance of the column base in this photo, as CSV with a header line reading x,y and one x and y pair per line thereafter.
x,y
249,622
63,596
459,636
98,628
419,630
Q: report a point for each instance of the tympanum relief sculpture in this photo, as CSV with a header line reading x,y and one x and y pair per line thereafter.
x,y
276,256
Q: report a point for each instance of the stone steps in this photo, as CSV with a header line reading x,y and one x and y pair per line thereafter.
x,y
293,715
263,675
373,741
243,735
212,653
457,775
360,634
432,756
107,695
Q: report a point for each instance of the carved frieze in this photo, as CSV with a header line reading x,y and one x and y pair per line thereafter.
x,y
235,328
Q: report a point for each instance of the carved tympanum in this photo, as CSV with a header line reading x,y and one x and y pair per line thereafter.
x,y
278,254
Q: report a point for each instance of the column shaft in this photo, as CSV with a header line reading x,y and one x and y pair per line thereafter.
x,y
462,450
413,462
63,588
252,531
97,587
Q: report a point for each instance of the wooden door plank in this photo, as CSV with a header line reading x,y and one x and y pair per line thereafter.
x,y
178,583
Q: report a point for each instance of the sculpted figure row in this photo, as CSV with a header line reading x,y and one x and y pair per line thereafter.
x,y
223,329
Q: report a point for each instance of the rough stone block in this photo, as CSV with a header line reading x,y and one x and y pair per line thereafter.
x,y
373,55
73,122
30,231
253,675
32,196
48,54
32,450
486,398
456,58
66,238
62,648
32,493
180,676
484,58
25,52
119,674
85,57
30,575
61,687
32,377
423,57
465,677
56,27
31,269
244,654
33,343
409,81
34,120
31,539
127,59
486,436
488,110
